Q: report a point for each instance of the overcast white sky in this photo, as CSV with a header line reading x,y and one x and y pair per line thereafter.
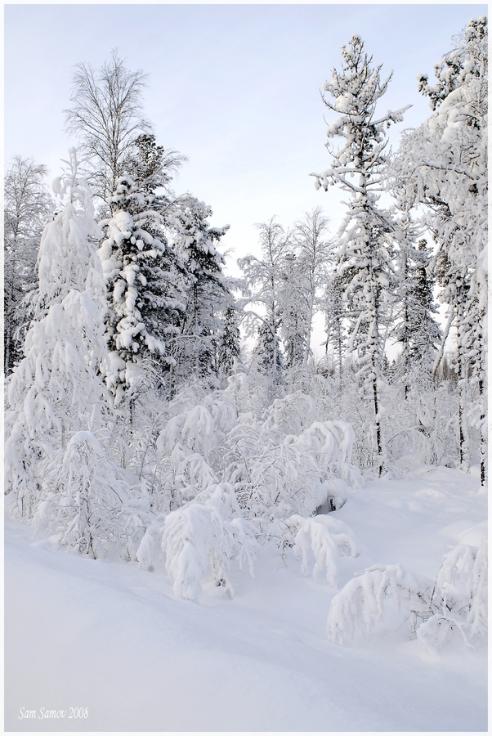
x,y
235,88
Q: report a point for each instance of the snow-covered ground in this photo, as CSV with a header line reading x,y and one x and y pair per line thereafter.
x,y
110,637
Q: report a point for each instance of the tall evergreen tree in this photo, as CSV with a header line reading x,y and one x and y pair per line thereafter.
x,y
152,168
144,287
207,292
229,347
415,327
424,329
268,354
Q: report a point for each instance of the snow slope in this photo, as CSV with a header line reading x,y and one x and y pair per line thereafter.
x,y
111,637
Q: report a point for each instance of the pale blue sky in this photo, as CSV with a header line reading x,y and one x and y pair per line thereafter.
x,y
235,88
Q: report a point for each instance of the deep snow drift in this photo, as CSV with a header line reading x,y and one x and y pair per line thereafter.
x,y
110,637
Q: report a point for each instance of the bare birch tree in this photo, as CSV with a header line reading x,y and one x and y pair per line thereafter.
x,y
106,115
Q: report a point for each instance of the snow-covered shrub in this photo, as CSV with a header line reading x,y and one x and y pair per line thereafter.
x,y
460,596
280,474
420,430
437,632
378,601
328,447
273,473
189,446
319,542
291,414
200,541
384,600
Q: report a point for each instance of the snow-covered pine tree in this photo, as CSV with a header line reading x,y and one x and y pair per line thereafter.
x,y
145,291
56,392
359,167
27,207
207,292
229,347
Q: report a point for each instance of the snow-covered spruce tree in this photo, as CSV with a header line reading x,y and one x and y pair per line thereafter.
x,y
445,163
56,397
359,167
27,207
229,347
424,331
415,328
152,167
267,354
145,292
262,277
207,292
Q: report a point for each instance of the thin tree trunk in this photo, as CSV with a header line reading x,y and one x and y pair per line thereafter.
x,y
483,434
340,355
463,449
378,426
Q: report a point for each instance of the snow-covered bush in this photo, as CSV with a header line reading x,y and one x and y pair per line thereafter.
x,y
200,541
273,473
387,600
319,542
149,552
460,596
378,601
291,414
85,503
281,474
189,445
